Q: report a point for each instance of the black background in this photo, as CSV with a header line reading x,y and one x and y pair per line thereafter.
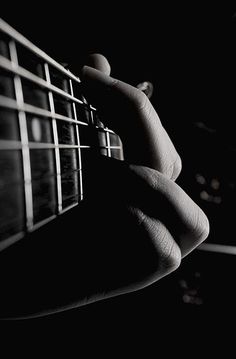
x,y
187,52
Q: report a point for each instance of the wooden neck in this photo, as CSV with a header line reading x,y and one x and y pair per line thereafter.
x,y
46,129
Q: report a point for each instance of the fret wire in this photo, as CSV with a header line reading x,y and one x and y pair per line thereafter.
x,y
70,207
51,87
108,144
55,136
12,104
18,74
93,108
24,141
8,65
25,42
78,142
42,223
91,115
106,129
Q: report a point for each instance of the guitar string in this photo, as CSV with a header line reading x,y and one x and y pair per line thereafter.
x,y
20,73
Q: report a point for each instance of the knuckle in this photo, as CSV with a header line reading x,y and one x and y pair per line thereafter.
x,y
172,259
203,226
166,249
199,231
174,169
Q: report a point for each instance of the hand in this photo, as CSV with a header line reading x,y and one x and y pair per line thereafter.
x,y
162,214
148,149
133,227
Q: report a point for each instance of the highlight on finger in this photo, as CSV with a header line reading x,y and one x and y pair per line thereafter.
x,y
162,199
98,62
128,111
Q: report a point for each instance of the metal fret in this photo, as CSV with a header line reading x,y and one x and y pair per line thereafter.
x,y
7,65
6,28
79,147
66,209
42,223
24,141
51,95
57,154
108,144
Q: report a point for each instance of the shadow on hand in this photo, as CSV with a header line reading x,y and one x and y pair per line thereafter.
x,y
92,251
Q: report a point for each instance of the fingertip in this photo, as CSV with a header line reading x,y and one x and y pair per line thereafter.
x,y
98,62
86,69
93,76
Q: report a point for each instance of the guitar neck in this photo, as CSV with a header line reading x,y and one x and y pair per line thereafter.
x,y
47,129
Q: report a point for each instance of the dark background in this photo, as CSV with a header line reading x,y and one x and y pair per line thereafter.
x,y
187,53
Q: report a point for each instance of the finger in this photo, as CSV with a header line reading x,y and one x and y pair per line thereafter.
x,y
168,252
98,62
159,197
128,112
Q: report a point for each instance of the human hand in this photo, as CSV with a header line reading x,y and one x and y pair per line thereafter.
x,y
133,227
162,214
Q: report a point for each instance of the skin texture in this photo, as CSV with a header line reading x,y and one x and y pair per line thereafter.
x,y
150,147
134,226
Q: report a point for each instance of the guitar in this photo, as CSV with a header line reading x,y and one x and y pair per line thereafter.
x,y
47,130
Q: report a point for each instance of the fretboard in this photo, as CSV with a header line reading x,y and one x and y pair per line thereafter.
x,y
47,129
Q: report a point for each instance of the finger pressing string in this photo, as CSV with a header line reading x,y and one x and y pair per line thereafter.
x,y
128,111
98,62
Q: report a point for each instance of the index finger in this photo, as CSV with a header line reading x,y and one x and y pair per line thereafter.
x,y
128,111
98,62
